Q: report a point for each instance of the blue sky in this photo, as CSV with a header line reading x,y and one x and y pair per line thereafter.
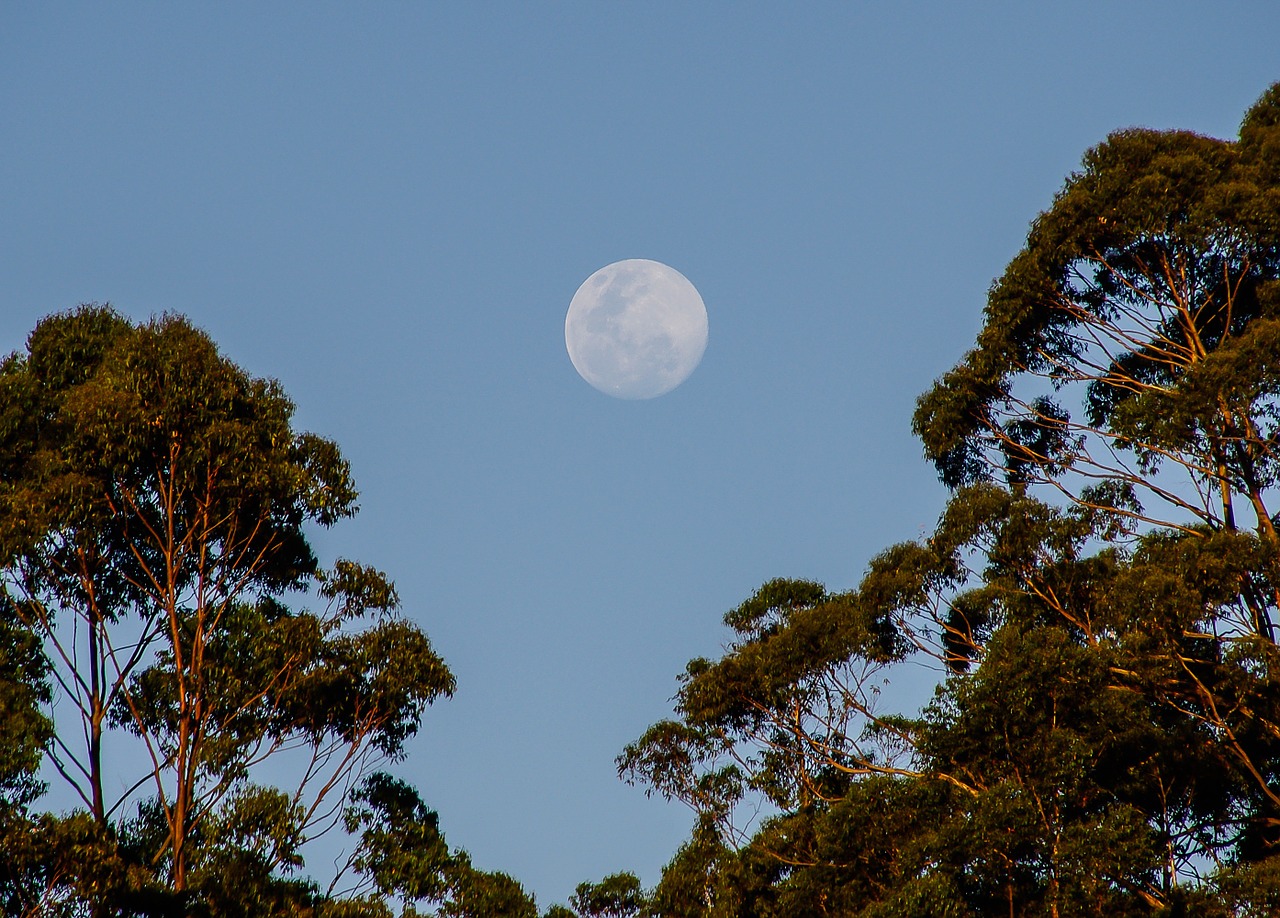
x,y
388,208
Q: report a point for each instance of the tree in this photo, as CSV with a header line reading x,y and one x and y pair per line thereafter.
x,y
616,896
1128,358
154,506
403,854
1148,299
1105,737
24,730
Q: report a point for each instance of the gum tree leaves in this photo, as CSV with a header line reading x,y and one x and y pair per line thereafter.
x,y
1099,600
155,503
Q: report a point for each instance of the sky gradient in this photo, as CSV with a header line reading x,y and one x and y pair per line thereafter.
x,y
388,208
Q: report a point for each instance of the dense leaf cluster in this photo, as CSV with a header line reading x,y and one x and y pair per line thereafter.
x,y
165,628
1099,600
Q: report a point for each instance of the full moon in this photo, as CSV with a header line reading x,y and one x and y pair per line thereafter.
x,y
636,329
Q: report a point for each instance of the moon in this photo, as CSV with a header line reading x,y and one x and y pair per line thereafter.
x,y
636,329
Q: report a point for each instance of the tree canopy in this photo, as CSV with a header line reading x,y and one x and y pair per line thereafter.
x,y
166,628
1098,603
1099,599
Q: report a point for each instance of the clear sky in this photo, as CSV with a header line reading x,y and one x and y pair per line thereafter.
x,y
388,208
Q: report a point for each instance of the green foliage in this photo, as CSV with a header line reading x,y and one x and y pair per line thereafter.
x,y
24,729
1105,739
616,896
156,592
404,855
1145,300
401,849
482,894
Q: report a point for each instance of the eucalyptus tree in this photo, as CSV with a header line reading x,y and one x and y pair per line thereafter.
x,y
154,510
1130,363
24,729
402,854
1099,600
1128,357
